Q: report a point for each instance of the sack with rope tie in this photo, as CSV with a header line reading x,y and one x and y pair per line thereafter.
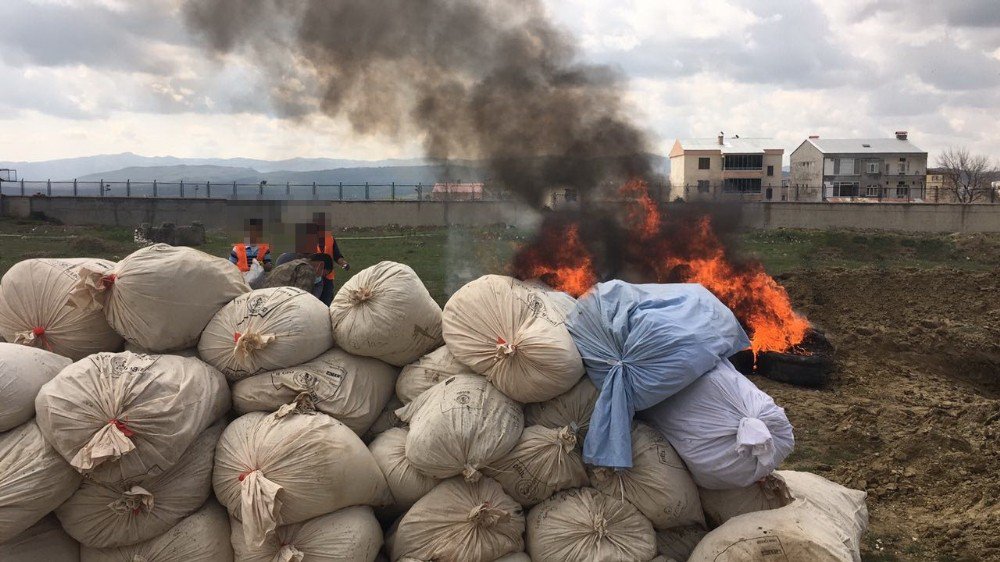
x,y
350,388
101,515
543,462
406,484
460,521
426,372
289,466
124,417
160,297
572,408
23,372
385,312
514,334
460,426
350,534
264,330
34,479
34,310
643,344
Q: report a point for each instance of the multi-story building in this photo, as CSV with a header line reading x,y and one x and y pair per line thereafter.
x,y
725,168
857,170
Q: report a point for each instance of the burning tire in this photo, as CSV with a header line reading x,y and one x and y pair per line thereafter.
x,y
808,364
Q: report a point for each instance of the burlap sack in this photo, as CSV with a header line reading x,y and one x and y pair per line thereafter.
x,y
34,309
658,484
286,467
350,388
44,541
385,312
101,516
460,521
677,544
571,408
514,334
350,534
515,557
160,297
426,372
722,505
123,417
385,420
584,524
264,330
842,504
202,536
189,352
23,371
460,426
34,479
406,484
796,532
543,462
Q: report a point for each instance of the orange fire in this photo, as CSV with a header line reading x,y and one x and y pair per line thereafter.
x,y
686,251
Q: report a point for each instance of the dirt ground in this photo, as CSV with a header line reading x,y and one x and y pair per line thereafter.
x,y
912,412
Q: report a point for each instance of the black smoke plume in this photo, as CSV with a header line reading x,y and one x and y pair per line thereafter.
x,y
474,79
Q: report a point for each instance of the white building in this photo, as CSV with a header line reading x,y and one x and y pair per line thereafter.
x,y
725,168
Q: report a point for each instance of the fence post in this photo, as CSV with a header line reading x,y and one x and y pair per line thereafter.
x,y
393,192
234,190
48,188
128,188
74,187
154,189
340,191
420,191
260,190
314,190
208,190
366,191
288,189
22,188
102,187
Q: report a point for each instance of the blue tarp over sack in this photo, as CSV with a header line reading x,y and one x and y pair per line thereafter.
x,y
642,344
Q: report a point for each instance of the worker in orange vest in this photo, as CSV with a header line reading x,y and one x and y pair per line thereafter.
x,y
252,248
327,244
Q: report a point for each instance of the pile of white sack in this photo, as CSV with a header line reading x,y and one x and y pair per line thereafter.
x,y
159,410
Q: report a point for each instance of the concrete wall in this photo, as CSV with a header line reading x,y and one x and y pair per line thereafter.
x,y
914,217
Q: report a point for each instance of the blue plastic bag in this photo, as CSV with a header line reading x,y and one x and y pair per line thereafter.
x,y
642,344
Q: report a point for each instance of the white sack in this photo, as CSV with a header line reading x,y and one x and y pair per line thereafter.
x,y
23,372
658,484
385,420
460,521
351,534
350,388
44,541
286,467
571,408
720,506
543,462
201,537
34,479
264,330
160,297
426,372
677,544
385,312
460,426
101,515
189,352
842,504
584,524
514,334
729,432
798,532
34,309
406,484
123,417
255,276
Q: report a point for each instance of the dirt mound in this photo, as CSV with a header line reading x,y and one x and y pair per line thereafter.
x,y
912,414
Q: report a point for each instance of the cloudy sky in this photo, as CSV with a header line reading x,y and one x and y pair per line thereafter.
x,y
84,77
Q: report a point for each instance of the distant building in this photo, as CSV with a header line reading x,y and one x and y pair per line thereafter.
x,y
457,191
857,170
938,186
725,168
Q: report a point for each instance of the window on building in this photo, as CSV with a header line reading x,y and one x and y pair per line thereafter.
x,y
741,185
704,163
770,170
703,186
845,189
743,162
902,190
902,165
872,191
873,167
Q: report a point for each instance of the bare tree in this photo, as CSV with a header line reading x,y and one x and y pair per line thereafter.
x,y
967,177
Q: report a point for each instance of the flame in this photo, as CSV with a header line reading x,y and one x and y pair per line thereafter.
x,y
560,259
686,251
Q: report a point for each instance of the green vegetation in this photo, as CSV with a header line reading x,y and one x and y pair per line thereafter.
x,y
445,258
